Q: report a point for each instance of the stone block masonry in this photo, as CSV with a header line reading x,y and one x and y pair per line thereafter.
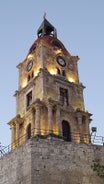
x,y
51,161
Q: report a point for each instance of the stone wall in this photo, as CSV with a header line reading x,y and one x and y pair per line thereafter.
x,y
51,161
15,167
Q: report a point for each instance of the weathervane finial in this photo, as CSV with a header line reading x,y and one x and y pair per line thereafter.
x,y
44,16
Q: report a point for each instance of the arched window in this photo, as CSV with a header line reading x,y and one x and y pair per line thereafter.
x,y
66,131
29,131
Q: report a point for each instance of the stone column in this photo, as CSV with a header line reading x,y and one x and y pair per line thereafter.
x,y
18,122
32,121
17,133
50,117
87,121
58,120
37,121
79,116
13,136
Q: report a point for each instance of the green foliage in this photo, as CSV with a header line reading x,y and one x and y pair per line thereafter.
x,y
98,168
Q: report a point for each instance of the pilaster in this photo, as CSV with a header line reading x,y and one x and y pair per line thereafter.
x,y
79,117
59,128
50,116
13,135
37,120
32,121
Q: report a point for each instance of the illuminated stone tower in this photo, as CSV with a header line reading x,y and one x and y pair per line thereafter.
x,y
49,99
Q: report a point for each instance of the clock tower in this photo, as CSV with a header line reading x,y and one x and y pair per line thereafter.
x,y
49,99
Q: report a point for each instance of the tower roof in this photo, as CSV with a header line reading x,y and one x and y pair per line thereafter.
x,y
51,41
46,29
47,33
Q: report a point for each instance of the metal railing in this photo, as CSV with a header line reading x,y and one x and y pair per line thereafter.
x,y
97,140
74,137
4,150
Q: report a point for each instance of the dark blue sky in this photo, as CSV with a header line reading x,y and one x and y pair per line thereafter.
x,y
80,26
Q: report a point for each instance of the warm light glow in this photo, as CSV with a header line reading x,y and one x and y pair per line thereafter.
x,y
76,137
58,51
77,140
86,139
21,140
13,146
55,132
55,128
44,132
52,70
29,56
24,83
70,79
36,72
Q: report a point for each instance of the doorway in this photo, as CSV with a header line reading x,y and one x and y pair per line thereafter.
x,y
66,131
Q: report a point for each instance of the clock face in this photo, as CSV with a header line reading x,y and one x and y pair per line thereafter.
x,y
29,66
61,61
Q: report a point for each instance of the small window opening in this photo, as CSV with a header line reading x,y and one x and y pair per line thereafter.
x,y
58,71
32,75
64,96
28,77
63,73
29,98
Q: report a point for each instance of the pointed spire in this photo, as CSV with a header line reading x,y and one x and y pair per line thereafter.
x,y
44,16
